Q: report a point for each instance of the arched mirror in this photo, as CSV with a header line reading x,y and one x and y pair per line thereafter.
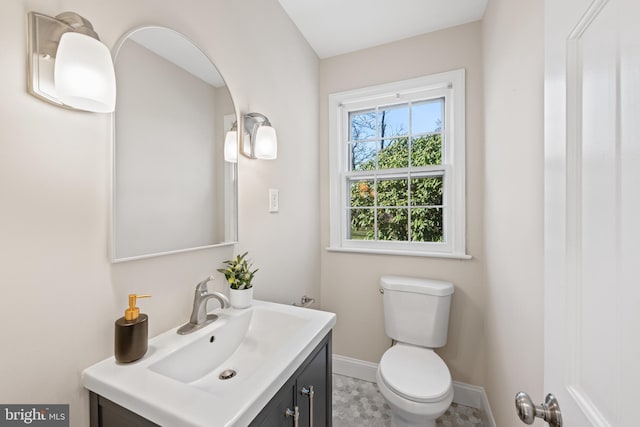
x,y
173,191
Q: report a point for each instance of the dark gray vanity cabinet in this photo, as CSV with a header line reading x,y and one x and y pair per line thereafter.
x,y
105,413
293,398
306,395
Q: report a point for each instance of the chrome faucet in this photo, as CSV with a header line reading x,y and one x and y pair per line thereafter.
x,y
199,316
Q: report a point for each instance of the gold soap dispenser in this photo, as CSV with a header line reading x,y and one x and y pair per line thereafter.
x,y
132,333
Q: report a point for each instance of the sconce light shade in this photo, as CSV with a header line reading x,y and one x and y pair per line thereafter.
x,y
260,141
231,147
266,143
83,74
68,65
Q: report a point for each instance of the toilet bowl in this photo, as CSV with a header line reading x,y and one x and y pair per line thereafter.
x,y
414,381
416,384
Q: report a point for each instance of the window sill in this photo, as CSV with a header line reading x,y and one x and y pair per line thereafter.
x,y
399,253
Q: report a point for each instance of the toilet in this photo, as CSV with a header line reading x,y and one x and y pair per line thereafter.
x,y
412,378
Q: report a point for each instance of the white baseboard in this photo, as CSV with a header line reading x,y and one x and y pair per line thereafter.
x,y
475,397
463,394
354,368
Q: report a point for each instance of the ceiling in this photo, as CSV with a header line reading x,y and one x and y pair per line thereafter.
x,y
334,27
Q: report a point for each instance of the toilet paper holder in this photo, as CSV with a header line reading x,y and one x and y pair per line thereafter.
x,y
305,301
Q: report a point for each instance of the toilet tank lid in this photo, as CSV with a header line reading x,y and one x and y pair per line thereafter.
x,y
416,285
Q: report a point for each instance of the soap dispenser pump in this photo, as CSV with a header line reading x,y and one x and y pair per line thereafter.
x,y
132,333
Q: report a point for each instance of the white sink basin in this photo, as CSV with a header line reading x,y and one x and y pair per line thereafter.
x,y
238,341
178,381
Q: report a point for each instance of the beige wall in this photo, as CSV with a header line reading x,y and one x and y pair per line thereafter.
x,y
349,282
59,295
512,34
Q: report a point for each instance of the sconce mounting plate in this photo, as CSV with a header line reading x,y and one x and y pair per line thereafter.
x,y
44,35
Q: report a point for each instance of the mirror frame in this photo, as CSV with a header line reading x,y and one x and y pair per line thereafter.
x,y
233,217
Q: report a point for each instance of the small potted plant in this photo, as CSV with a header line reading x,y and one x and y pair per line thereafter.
x,y
239,276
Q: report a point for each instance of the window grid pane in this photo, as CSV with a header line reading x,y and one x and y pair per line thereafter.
x,y
427,116
362,155
392,193
427,191
393,121
393,153
361,193
427,225
361,224
426,150
362,125
393,224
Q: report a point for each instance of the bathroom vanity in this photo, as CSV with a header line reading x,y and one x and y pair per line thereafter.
x,y
277,359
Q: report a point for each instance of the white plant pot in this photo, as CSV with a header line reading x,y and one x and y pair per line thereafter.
x,y
241,298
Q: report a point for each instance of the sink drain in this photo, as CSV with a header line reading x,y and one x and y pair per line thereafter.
x,y
227,374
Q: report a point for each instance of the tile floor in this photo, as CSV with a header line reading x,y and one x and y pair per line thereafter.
x,y
359,403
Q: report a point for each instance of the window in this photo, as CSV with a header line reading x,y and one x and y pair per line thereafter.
x,y
397,167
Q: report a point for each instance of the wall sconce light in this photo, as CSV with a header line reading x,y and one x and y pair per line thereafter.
x,y
259,139
231,144
68,65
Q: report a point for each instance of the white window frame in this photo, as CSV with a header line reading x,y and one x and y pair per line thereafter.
x,y
451,86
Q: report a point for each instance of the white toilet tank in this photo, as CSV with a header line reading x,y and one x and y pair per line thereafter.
x,y
416,311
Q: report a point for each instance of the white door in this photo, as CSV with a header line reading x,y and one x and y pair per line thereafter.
x,y
592,210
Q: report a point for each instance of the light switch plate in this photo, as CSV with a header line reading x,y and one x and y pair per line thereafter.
x,y
274,195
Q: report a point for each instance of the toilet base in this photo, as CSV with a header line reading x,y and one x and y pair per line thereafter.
x,y
406,413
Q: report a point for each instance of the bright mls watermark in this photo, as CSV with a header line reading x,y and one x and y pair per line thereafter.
x,y
34,415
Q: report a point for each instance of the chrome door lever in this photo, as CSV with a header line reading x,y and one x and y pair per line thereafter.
x,y
548,411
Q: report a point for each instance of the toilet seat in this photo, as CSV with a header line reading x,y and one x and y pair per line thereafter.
x,y
415,373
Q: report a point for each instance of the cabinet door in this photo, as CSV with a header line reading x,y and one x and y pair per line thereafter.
x,y
275,413
314,371
314,375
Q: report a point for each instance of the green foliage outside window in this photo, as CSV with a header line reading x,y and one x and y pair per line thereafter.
x,y
393,195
